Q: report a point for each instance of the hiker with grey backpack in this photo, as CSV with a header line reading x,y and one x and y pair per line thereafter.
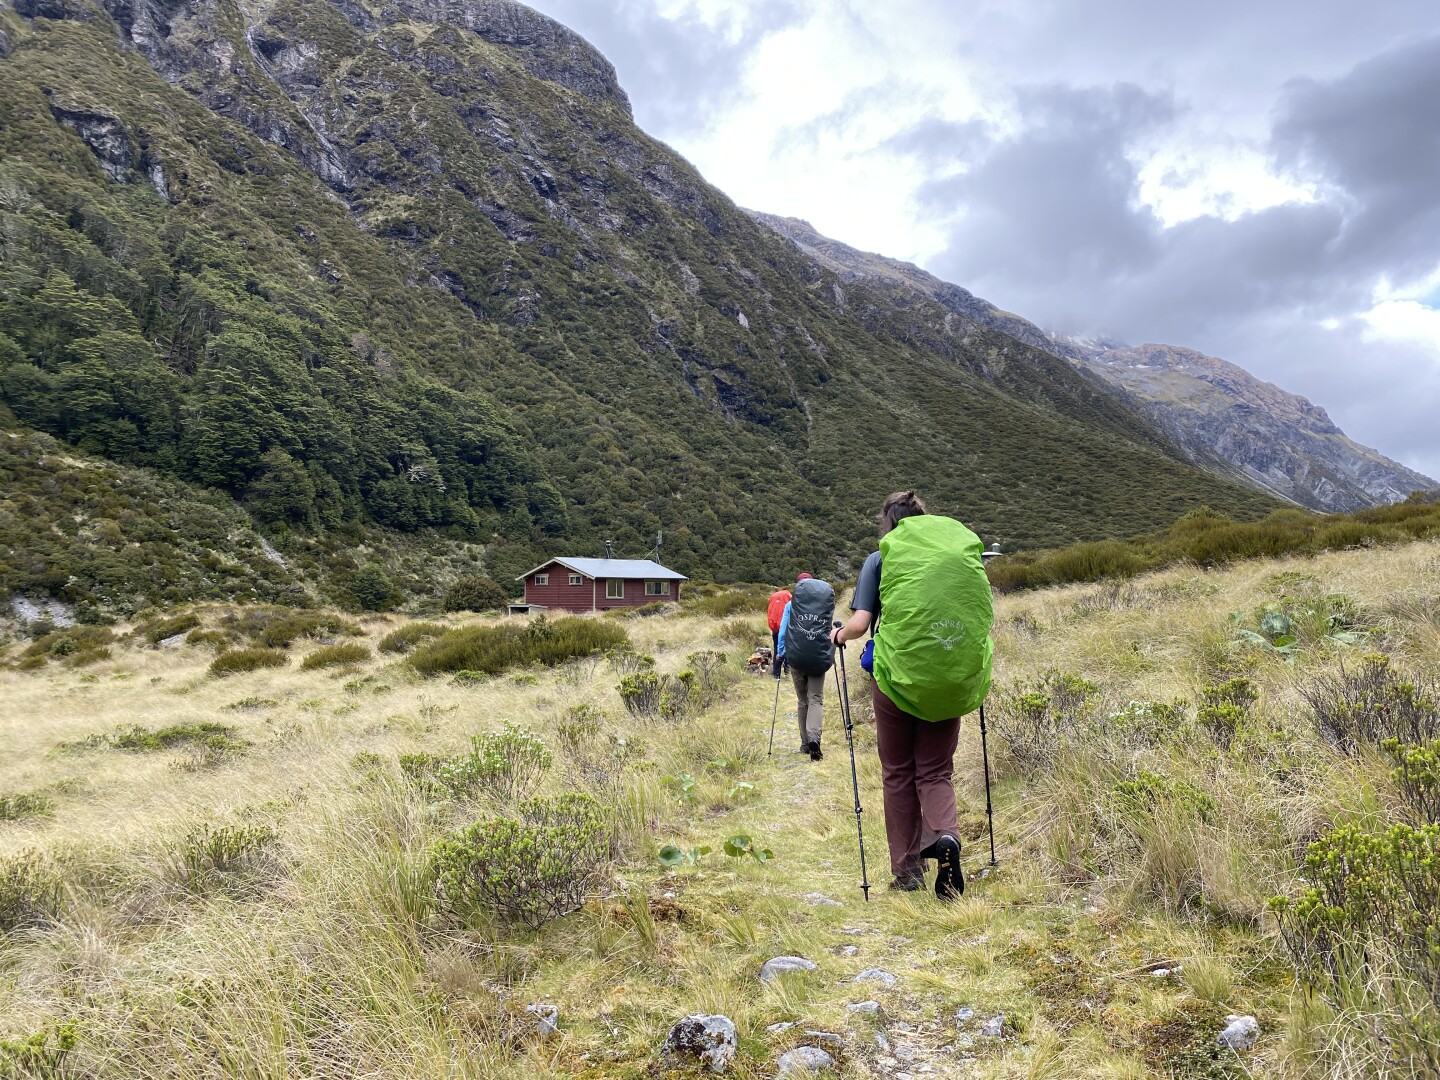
x,y
806,649
926,601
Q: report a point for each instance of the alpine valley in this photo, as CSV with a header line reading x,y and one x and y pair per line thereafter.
x,y
292,289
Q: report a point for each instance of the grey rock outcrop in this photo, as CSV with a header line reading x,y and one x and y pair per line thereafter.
x,y
552,52
104,135
702,1039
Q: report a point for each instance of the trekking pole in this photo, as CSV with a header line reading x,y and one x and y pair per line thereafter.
x,y
842,682
985,756
775,712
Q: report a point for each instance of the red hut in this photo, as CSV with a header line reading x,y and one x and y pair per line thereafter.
x,y
600,584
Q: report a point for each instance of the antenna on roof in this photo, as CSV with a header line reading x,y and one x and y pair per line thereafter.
x,y
659,536
607,549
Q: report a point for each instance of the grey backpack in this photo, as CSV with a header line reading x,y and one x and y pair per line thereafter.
x,y
808,648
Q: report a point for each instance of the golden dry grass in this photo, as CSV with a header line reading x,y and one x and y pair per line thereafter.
x,y
331,961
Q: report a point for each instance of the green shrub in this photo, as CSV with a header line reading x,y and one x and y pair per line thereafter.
x,y
498,648
334,655
76,645
530,869
1147,789
642,611
1369,916
205,735
228,858
372,589
216,639
1371,702
1357,534
641,693
507,764
408,636
249,704
156,631
1258,540
1224,709
1417,772
36,1057
1038,720
747,633
713,678
238,661
311,624
24,805
722,603
1143,723
475,593
30,891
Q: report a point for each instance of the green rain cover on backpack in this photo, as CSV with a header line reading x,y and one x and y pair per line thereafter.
x,y
933,647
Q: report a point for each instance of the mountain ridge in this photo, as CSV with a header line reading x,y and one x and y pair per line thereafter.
x,y
355,269
1221,416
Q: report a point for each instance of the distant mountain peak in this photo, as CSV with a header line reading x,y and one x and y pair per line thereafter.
x,y
1221,417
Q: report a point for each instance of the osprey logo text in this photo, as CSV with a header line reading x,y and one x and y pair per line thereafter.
x,y
947,632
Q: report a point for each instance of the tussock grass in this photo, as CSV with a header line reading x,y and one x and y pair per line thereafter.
x,y
255,909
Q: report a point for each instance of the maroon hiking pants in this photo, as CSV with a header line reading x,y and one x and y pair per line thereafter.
x,y
917,761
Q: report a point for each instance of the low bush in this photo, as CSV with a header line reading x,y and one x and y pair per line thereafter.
x,y
1037,720
495,649
1417,772
335,655
507,764
25,805
408,636
206,734
747,633
239,661
1370,702
216,639
722,603
30,891
41,1055
1370,917
713,678
309,624
76,645
228,858
476,593
1224,709
529,869
157,630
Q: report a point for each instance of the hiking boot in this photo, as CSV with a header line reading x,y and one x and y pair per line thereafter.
x,y
949,878
907,883
813,749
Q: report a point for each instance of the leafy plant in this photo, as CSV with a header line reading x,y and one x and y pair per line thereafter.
x,y
1371,702
40,1056
25,805
507,764
740,845
684,784
226,858
1038,719
30,891
674,857
495,649
530,869
1417,771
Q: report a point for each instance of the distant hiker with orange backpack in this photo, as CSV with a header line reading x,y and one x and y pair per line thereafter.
x,y
805,648
926,598
774,613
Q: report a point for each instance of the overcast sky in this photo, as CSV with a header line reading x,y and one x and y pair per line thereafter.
x,y
1257,179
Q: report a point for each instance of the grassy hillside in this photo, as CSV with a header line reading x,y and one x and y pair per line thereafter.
x,y
357,269
250,874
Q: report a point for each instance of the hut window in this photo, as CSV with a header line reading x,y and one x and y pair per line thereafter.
x,y
657,588
615,589
542,579
576,579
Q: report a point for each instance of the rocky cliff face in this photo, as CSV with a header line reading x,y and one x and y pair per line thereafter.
x,y
1222,417
410,262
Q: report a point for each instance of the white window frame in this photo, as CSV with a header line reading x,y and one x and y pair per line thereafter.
x,y
577,579
542,579
657,588
612,585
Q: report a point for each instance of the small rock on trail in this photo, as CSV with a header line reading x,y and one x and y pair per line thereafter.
x,y
879,975
1240,1032
803,1060
783,965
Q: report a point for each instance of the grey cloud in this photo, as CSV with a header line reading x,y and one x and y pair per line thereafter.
x,y
678,72
936,142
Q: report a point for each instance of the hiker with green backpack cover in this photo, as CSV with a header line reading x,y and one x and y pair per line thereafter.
x,y
926,598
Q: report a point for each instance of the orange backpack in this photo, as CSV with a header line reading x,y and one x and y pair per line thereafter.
x,y
777,609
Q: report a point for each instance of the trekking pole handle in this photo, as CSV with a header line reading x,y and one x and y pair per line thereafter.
x,y
838,644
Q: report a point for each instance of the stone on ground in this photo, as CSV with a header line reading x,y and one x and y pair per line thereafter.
x,y
804,1059
1240,1032
879,975
783,965
708,1040
994,1027
547,1018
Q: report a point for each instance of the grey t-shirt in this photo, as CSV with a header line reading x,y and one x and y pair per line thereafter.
x,y
867,589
